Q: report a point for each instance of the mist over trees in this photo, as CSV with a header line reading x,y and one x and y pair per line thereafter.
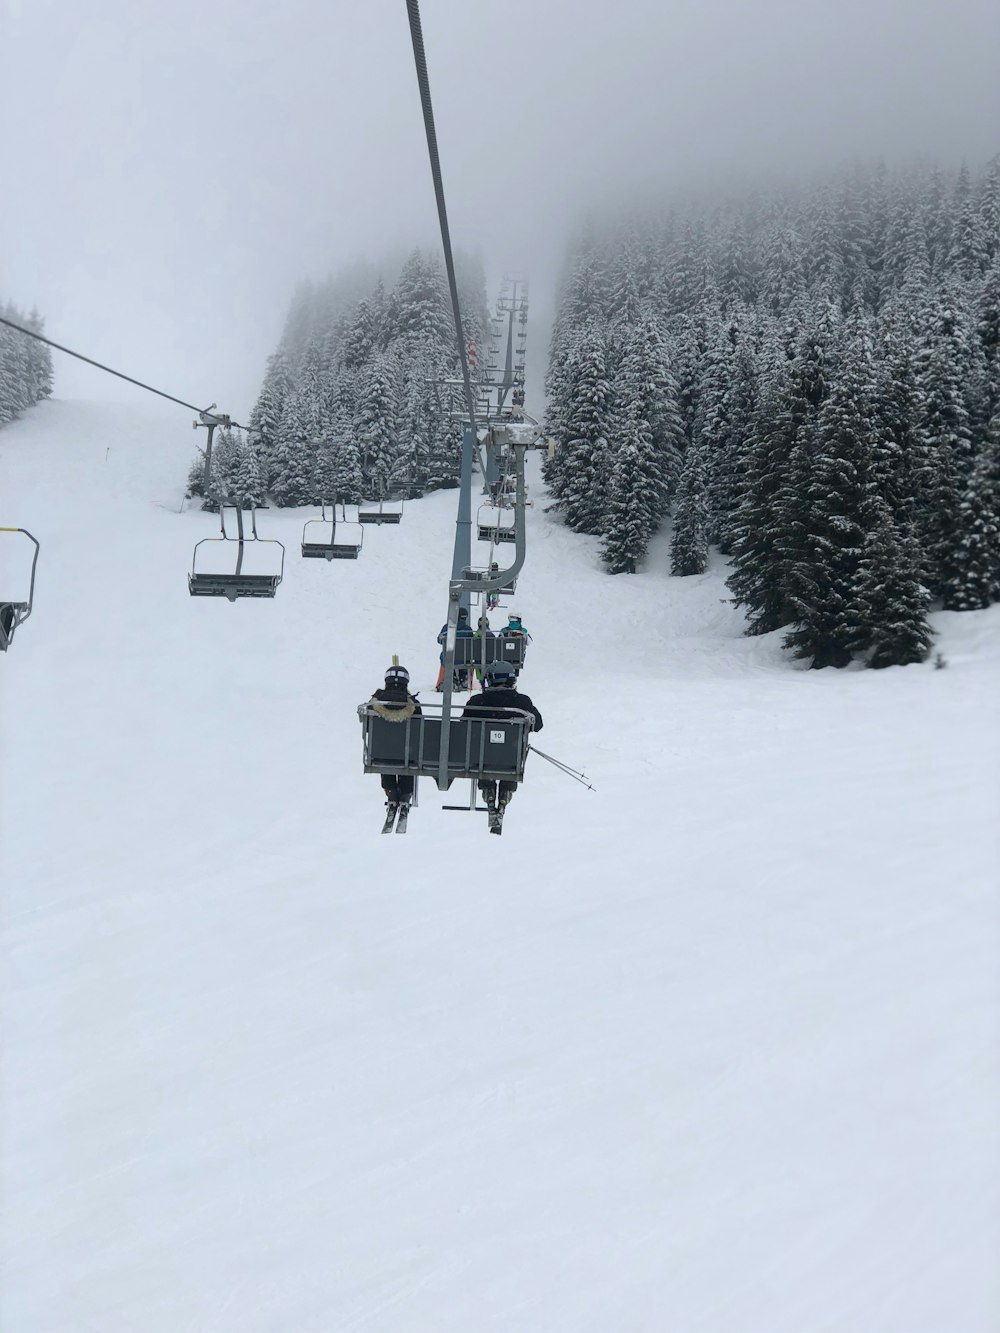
x,y
25,365
352,405
810,382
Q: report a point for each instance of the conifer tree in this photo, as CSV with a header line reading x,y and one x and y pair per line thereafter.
x,y
943,438
375,425
292,459
766,529
832,473
644,432
584,464
689,544
246,479
975,575
890,601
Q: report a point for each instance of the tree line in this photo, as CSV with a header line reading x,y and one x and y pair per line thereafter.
x,y
354,402
25,365
809,382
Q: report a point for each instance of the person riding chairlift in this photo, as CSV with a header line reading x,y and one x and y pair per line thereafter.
x,y
493,598
515,630
462,680
482,631
496,702
395,703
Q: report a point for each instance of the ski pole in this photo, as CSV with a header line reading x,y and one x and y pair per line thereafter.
x,y
564,768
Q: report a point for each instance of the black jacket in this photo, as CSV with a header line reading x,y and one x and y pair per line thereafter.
x,y
492,703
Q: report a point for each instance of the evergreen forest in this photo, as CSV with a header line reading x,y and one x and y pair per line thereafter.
x,y
808,382
25,365
355,402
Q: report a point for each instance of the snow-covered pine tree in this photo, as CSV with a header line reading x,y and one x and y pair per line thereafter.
x,y
266,416
689,543
766,527
644,433
989,209
890,602
39,361
583,456
632,496
782,280
374,427
422,304
975,574
943,452
731,461
246,479
834,500
292,459
968,257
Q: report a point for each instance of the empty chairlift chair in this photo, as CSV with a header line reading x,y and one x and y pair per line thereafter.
x,y
496,525
384,510
240,582
15,612
327,539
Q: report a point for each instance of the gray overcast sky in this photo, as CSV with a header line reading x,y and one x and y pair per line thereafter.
x,y
170,171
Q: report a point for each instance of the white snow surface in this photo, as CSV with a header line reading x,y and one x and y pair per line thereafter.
x,y
713,1049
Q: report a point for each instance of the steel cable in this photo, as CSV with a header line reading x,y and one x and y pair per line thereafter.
x,y
30,333
420,60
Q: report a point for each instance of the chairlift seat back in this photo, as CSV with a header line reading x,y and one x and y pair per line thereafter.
x,y
490,533
477,747
332,549
470,652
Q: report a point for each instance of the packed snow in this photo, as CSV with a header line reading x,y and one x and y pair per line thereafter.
x,y
713,1048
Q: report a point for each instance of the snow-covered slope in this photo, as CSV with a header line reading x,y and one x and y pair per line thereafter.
x,y
714,1048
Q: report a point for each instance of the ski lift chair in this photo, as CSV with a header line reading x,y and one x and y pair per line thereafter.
x,y
207,583
473,652
348,547
375,511
13,614
483,575
497,525
478,748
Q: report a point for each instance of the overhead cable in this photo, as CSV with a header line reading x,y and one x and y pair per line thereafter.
x,y
30,333
420,60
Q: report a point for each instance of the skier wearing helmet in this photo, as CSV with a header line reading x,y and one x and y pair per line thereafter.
x,y
497,700
514,626
463,630
395,703
515,630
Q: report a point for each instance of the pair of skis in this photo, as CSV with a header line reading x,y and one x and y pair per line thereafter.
x,y
495,815
398,814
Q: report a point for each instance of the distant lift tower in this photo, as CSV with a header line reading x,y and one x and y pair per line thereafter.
x,y
504,369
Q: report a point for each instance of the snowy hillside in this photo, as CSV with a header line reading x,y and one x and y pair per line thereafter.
x,y
715,1047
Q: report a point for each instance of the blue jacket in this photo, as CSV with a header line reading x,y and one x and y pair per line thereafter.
x,y
464,631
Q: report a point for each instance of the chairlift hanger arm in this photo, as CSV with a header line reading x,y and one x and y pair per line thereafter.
x,y
28,606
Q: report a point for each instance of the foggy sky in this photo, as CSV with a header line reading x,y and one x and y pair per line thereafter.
x,y
169,172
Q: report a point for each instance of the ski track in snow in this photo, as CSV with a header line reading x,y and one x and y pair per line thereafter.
x,y
711,1050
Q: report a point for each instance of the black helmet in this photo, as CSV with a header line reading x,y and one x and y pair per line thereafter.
x,y
397,675
500,673
463,611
